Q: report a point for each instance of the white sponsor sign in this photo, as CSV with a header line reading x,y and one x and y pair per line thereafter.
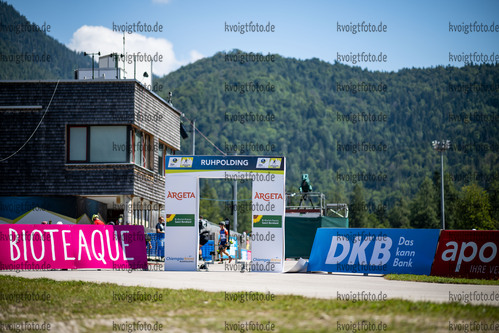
x,y
182,206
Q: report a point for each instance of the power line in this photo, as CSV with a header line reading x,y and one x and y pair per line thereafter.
x,y
204,136
5,159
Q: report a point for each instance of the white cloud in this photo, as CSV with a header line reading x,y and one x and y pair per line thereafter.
x,y
195,56
101,39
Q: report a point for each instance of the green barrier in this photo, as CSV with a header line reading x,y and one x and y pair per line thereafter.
x,y
300,233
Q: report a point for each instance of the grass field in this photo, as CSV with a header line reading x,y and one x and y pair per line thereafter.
x,y
76,306
439,279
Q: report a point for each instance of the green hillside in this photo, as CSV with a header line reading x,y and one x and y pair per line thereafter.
x,y
28,53
378,140
363,137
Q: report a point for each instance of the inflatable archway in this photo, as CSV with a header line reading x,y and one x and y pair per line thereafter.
x,y
268,176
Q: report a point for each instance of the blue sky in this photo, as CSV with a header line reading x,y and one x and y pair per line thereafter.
x,y
417,32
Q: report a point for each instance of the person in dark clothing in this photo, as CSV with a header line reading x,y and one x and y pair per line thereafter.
x,y
305,188
160,226
204,234
223,242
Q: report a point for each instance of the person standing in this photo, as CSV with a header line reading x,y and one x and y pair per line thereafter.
x,y
160,238
160,226
204,235
223,242
96,220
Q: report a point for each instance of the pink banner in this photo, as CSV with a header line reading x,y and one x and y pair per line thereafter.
x,y
45,247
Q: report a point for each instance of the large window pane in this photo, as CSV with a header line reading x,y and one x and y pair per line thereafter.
x,y
108,144
138,147
77,143
161,159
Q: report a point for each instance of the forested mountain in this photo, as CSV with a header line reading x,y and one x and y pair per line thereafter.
x,y
28,53
363,137
379,138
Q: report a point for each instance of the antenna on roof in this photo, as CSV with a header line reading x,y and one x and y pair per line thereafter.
x,y
124,71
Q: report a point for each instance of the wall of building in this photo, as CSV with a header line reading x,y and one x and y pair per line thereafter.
x,y
41,168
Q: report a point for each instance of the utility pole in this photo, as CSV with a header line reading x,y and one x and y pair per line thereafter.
x,y
92,54
194,137
442,146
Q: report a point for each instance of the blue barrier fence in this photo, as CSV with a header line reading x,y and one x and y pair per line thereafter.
x,y
157,248
206,249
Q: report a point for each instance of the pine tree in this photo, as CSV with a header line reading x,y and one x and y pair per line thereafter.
x,y
358,215
424,207
474,209
209,208
399,215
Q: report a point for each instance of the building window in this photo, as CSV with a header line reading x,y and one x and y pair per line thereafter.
x,y
142,152
163,151
77,139
97,144
161,159
137,147
108,144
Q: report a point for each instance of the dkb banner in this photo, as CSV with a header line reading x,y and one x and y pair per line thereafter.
x,y
44,247
376,251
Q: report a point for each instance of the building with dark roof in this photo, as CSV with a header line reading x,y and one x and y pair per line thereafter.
x,y
71,149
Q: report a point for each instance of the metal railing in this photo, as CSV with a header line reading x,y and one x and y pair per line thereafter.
x,y
308,200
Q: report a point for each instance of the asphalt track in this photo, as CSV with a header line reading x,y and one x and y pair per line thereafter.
x,y
350,287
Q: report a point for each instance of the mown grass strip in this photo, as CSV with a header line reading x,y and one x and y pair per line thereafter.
x,y
95,307
439,279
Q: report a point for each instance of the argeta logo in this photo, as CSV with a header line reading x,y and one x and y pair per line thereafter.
x,y
180,195
268,196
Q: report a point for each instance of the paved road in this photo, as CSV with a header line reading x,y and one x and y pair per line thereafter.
x,y
319,285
